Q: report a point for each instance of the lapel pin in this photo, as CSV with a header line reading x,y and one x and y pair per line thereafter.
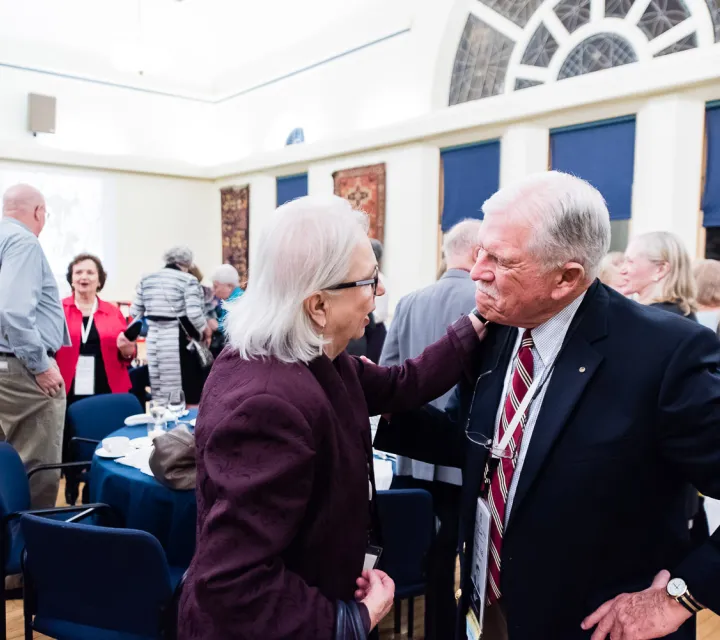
x,y
582,369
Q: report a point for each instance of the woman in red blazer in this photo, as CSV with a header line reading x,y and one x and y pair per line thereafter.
x,y
97,362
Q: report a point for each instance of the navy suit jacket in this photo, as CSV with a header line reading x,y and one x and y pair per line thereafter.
x,y
630,419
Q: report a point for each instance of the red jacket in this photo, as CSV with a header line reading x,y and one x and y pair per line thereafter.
x,y
109,322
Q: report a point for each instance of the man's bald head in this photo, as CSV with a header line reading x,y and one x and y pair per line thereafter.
x,y
27,205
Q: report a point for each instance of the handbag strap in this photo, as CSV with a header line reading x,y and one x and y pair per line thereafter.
x,y
175,313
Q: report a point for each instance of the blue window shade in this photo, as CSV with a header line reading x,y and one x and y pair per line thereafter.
x,y
711,197
471,174
291,187
603,153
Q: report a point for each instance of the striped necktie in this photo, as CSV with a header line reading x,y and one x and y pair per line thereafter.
x,y
502,479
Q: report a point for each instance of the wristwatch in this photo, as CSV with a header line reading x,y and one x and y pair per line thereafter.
x,y
678,590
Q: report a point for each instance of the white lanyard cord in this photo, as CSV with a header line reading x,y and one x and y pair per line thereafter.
x,y
85,330
520,412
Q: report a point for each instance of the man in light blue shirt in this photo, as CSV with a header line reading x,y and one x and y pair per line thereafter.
x,y
32,329
421,318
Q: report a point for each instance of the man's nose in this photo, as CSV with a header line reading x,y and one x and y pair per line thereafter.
x,y
481,270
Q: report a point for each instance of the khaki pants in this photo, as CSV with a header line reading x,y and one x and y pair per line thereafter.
x,y
32,423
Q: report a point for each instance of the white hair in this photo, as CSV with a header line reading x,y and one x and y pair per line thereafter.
x,y
180,255
305,246
461,239
226,274
574,219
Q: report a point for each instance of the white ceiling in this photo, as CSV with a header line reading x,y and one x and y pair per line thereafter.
x,y
182,45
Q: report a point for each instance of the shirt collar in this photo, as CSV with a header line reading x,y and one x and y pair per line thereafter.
x,y
455,273
549,336
17,222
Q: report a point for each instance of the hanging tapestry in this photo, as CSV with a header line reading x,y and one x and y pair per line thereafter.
x,y
364,187
235,204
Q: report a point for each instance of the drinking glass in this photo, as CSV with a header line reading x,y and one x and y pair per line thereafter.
x,y
176,403
158,411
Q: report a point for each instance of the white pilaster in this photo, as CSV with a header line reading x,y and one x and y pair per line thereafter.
x,y
668,168
524,150
263,196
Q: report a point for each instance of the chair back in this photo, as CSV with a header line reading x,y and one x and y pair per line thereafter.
x,y
408,526
97,417
14,496
82,577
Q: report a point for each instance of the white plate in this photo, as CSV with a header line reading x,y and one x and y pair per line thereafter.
x,y
106,454
138,419
141,443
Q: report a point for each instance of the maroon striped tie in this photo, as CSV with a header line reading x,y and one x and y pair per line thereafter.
x,y
502,479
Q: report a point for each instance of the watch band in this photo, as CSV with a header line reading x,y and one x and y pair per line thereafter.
x,y
687,601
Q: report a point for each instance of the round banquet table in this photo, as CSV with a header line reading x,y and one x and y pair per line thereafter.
x,y
167,514
146,504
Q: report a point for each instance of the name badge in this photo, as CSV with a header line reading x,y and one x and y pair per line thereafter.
x,y
473,630
372,557
85,376
478,575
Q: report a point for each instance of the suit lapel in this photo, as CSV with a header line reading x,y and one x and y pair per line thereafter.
x,y
574,370
480,421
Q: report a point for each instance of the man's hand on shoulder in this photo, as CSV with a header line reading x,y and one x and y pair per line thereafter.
x,y
639,616
50,381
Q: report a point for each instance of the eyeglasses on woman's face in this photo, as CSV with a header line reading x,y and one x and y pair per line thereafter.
x,y
359,283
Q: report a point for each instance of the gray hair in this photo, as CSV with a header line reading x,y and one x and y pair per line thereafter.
x,y
574,219
460,240
226,274
377,248
181,256
305,246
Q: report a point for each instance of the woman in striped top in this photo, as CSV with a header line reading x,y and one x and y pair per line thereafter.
x,y
167,298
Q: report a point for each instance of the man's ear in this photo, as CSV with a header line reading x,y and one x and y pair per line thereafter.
x,y
570,275
317,309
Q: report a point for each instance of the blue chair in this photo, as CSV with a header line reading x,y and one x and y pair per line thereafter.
x,y
407,524
83,581
89,421
14,502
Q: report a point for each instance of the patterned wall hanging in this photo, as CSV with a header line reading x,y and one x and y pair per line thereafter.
x,y
235,205
364,188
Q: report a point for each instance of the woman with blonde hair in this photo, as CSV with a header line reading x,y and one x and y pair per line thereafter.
x,y
658,271
707,279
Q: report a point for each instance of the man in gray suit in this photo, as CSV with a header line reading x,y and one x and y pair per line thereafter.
x,y
421,318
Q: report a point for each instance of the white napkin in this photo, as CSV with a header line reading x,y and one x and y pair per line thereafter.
x,y
138,459
137,419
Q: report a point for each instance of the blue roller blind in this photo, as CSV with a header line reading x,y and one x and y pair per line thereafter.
x,y
471,174
291,187
711,197
603,153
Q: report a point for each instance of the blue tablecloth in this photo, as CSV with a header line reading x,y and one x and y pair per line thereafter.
x,y
145,504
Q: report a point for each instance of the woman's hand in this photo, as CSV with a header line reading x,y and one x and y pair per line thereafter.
x,y
478,325
125,347
376,591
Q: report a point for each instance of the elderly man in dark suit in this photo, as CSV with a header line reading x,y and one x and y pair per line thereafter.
x,y
421,318
589,418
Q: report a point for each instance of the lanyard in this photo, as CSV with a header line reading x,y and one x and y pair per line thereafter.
x,y
85,330
530,395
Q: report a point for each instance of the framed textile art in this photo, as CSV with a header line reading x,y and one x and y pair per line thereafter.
x,y
364,188
235,205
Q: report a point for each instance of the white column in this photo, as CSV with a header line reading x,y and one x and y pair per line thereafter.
x,y
524,150
668,168
263,198
412,228
320,181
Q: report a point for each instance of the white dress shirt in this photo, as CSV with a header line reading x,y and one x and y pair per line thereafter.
x,y
547,342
